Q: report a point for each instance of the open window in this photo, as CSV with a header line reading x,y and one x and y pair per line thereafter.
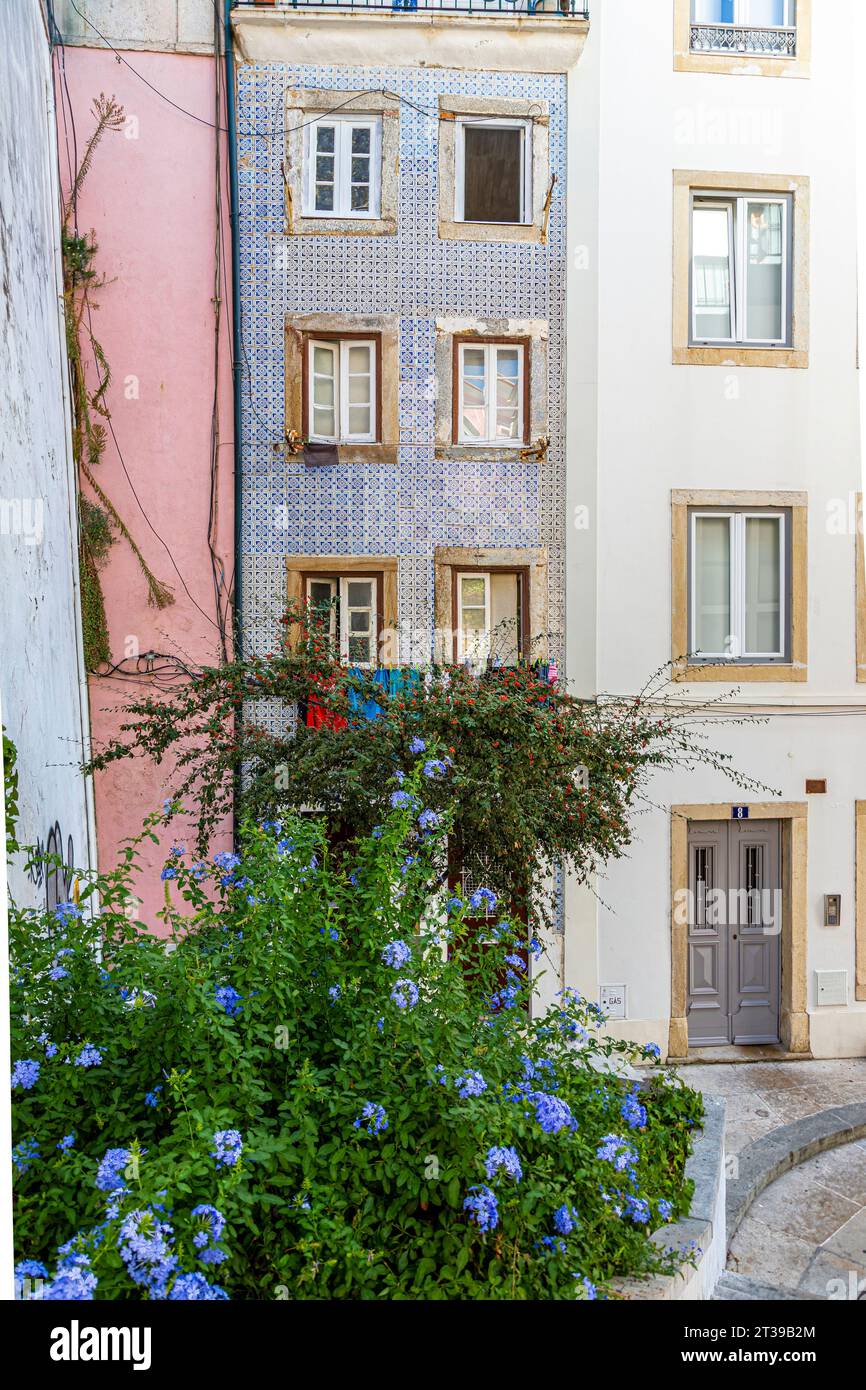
x,y
493,173
491,616
342,390
347,608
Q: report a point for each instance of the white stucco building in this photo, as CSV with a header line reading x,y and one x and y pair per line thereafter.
x,y
713,436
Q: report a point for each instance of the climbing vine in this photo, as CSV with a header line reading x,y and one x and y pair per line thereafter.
x,y
99,520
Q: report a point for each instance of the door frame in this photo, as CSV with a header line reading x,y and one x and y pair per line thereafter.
x,y
793,826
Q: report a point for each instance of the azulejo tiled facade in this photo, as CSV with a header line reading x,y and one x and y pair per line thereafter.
x,y
422,502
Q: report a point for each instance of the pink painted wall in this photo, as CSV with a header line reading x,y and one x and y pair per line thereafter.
x,y
150,198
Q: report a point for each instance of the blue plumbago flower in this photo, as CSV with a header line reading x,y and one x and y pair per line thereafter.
x,y
588,1289
228,1147
652,1050
330,932
632,1111
483,897
229,1000
29,1269
67,1142
401,798
506,1159
506,998
417,745
482,1208
564,1219
665,1209
405,994
226,860
152,1097
285,846
376,832
168,872
334,993
535,947
167,806
617,1151
428,820
440,1074
638,1209
177,851
399,776
376,1118
408,863
74,1280
199,870
25,1153
516,961
554,1243
275,825
109,1174
454,905
380,1024
25,1074
50,1050
58,973
65,951
144,1245
435,767
353,878
187,1287
206,1241
552,1113
89,1056
396,953
471,1083
67,912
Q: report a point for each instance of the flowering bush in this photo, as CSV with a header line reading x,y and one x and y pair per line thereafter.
x,y
307,1094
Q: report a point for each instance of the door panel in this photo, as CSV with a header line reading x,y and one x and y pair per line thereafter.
x,y
734,932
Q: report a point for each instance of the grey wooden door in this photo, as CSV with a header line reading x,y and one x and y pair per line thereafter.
x,y
734,927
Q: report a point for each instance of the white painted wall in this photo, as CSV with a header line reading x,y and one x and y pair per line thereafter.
x,y
661,426
41,672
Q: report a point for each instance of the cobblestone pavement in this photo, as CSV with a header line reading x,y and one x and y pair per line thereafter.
x,y
806,1233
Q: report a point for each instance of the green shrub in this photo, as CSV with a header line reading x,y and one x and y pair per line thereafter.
x,y
306,1096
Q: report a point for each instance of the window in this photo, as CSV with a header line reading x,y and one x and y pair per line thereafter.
x,y
347,608
739,602
343,158
493,171
342,395
490,616
489,392
740,280
744,26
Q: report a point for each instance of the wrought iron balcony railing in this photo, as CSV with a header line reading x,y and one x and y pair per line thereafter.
x,y
562,9
744,38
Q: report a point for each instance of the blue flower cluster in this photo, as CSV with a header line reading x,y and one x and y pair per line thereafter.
x,y
482,1208
506,1159
551,1113
194,1286
376,1118
428,820
25,1154
228,1147
25,1074
229,1000
145,1248
67,1142
109,1174
396,953
405,994
206,1241
471,1083
617,1151
67,912
631,1109
564,1219
89,1056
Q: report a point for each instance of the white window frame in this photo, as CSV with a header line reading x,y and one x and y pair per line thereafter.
x,y
742,19
339,347
737,205
495,123
491,354
339,586
463,653
737,596
343,127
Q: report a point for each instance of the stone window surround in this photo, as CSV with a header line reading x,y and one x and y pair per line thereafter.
x,y
452,107
304,103
299,328
859,595
793,1014
298,567
447,560
738,354
748,64
532,333
860,900
728,673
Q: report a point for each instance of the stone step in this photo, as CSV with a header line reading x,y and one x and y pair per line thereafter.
x,y
741,1288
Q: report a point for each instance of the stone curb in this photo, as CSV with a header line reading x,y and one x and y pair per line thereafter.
x,y
761,1162
704,1225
